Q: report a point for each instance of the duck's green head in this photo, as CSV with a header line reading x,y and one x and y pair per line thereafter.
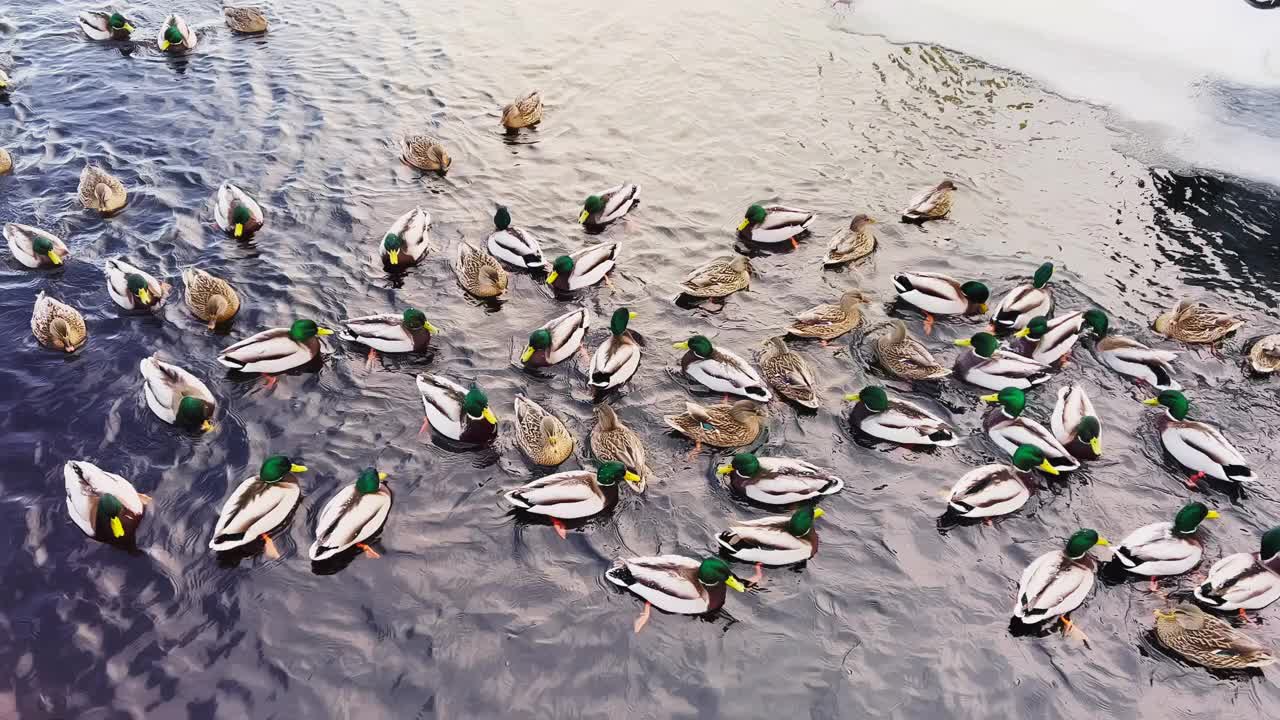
x,y
415,319
976,292
1175,401
304,330
754,216
983,343
618,322
593,204
745,464
613,472
137,286
369,480
392,243
1270,545
562,265
172,36
1090,431
1082,541
873,396
539,339
1035,329
1043,273
1097,320
699,344
714,571
476,405
801,522
1013,400
44,246
277,467
109,510
502,218
1190,516
195,413
1028,457
117,22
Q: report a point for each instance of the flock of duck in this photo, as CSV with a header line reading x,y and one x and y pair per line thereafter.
x,y
1027,343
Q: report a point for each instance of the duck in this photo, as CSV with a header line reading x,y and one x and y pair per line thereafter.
x,y
718,278
209,298
176,36
104,26
407,240
1165,548
1244,581
1196,323
6,162
722,425
720,370
899,421
406,332
773,224
479,273
1205,640
100,190
1198,446
987,366
995,489
353,516
276,350
1264,356
583,268
456,412
1138,362
933,203
57,325
514,245
1048,340
425,153
905,357
523,112
936,294
612,440
557,339
134,289
605,207
35,248
236,213
827,321
788,374
1024,302
1009,429
102,504
176,396
676,584
853,243
1057,582
1075,423
572,495
618,358
774,541
777,480
541,436
258,506
245,20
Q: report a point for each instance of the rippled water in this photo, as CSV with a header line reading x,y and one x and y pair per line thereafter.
x,y
470,612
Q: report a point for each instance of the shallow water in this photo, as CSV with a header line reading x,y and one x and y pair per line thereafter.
x,y
470,612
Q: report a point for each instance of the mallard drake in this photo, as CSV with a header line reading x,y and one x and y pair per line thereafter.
x,y
779,540
906,357
176,36
57,325
1051,340
390,333
1205,640
100,190
1057,582
996,489
719,277
1264,356
35,248
1165,548
513,245
932,203
853,243
102,504
353,516
1198,446
720,370
788,373
425,153
617,358
1195,322
523,112
276,350
1025,302
246,20
1138,362
611,440
899,421
986,365
6,162
456,412
603,208
1245,581
777,481
479,273
583,268
211,299
1009,429
1075,423
937,294
176,396
773,224
827,321
236,213
104,26
258,506
557,339
407,240
721,425
541,436
134,289
675,583
572,495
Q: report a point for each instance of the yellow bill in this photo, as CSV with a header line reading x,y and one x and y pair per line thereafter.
x,y
239,229
993,397
528,353
394,256
297,468
735,583
583,217
552,277
323,331
382,476
488,415
164,44
632,478
1096,446
852,397
127,27
1103,541
1151,401
1049,468
631,314
430,328
1023,332
724,469
117,528
144,296
818,512
1213,515
965,342
743,225
682,345
206,426
53,254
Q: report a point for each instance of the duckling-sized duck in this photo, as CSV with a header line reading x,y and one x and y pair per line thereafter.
x,y
583,268
853,243
104,26
1165,548
996,489
425,153
1051,340
774,224
541,436
788,373
176,36
1198,446
277,350
1025,302
100,190
718,278
613,440
932,203
353,516
134,289
35,248
777,481
1138,362
1245,581
936,294
176,396
720,370
557,339
827,321
905,357
723,425
407,240
6,162
1196,322
456,412
1264,356
514,245
236,213
408,332
57,325
479,273
674,583
986,365
1009,430
523,112
878,415
1057,582
1075,423
258,506
211,299
247,21
573,495
102,504
774,541
617,358
1205,640
601,209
